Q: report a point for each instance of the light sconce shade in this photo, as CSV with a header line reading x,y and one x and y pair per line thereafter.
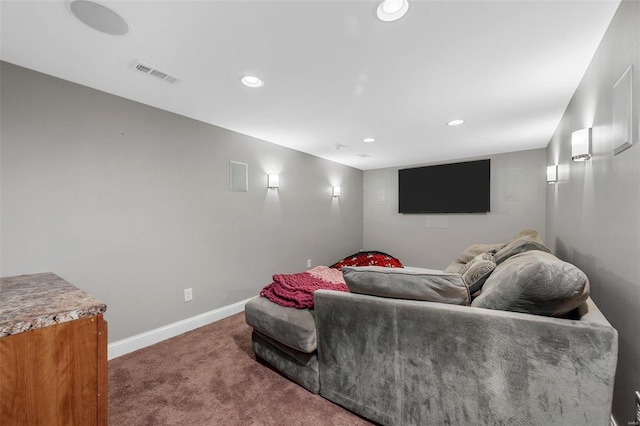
x,y
252,81
581,145
552,174
273,181
336,191
392,10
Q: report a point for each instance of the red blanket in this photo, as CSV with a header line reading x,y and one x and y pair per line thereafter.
x,y
296,290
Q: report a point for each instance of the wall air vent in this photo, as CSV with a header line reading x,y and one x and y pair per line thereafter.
x,y
149,70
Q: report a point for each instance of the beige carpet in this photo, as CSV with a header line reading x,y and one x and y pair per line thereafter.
x,y
210,376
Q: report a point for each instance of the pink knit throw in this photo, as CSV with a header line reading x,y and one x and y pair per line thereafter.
x,y
296,290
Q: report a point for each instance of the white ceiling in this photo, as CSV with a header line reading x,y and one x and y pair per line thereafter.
x,y
334,73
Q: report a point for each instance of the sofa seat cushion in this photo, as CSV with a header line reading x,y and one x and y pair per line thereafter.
x,y
300,367
534,282
292,327
408,283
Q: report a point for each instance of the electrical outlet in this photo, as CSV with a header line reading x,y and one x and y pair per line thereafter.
x,y
188,294
308,263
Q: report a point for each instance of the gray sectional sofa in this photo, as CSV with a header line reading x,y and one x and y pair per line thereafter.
x,y
527,348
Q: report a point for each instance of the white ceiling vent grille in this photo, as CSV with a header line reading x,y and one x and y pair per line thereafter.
x,y
148,69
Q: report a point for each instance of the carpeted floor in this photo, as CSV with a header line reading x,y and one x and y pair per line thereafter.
x,y
209,376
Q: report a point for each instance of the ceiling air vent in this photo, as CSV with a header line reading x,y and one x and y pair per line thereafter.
x,y
149,70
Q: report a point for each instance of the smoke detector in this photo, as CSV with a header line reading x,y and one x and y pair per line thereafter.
x,y
153,71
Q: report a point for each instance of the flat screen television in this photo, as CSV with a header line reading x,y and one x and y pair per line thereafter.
x,y
446,188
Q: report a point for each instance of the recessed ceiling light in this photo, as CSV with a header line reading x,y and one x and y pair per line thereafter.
x,y
99,17
368,140
391,10
252,81
455,122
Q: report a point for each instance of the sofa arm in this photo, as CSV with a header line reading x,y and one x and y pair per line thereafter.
x,y
412,362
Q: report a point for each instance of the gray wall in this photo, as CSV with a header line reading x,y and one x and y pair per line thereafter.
x,y
517,203
593,213
131,203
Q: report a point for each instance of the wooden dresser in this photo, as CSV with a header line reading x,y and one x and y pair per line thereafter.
x,y
53,353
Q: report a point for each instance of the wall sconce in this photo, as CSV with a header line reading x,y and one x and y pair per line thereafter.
x,y
273,181
335,191
552,174
581,145
391,10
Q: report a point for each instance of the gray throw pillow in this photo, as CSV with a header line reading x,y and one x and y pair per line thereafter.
x,y
519,245
475,249
476,272
534,282
470,253
528,233
408,283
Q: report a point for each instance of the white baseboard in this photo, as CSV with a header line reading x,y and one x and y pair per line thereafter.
x,y
148,338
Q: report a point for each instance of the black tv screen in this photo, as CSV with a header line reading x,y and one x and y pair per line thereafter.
x,y
446,188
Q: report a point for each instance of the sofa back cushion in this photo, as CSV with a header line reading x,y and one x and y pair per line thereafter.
x,y
408,283
534,282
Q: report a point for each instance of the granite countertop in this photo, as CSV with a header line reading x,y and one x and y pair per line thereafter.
x,y
34,301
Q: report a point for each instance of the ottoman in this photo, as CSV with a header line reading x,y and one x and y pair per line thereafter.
x,y
286,339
